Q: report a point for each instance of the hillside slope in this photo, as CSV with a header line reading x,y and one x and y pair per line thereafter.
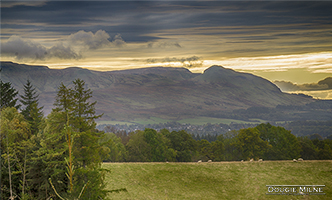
x,y
164,92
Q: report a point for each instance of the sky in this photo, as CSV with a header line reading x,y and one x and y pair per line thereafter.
x,y
278,40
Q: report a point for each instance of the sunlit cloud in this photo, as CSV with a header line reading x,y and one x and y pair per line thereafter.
x,y
90,40
325,94
188,62
314,62
289,86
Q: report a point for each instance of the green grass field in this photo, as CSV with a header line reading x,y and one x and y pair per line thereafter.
x,y
217,180
205,120
193,121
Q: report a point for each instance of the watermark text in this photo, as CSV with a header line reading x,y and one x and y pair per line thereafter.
x,y
295,189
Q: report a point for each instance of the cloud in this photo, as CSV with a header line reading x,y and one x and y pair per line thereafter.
x,y
60,51
9,4
174,59
325,84
189,62
21,48
163,45
90,40
327,81
81,41
118,41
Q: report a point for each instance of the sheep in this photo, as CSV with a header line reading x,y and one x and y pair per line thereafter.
x,y
242,161
199,161
300,159
251,160
294,160
209,161
260,160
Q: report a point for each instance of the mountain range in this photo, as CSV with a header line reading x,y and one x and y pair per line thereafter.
x,y
163,92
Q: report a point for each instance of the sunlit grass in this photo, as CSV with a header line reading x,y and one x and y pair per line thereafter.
x,y
218,180
193,121
205,120
114,122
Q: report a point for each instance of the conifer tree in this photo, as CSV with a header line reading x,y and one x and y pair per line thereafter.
x,y
83,121
74,110
32,113
36,115
83,110
48,159
63,103
87,150
8,95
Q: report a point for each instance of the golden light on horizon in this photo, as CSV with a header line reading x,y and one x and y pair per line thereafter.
x,y
320,62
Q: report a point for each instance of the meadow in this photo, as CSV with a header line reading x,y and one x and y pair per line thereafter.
x,y
216,180
193,121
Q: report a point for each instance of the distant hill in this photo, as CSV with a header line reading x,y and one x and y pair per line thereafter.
x,y
163,92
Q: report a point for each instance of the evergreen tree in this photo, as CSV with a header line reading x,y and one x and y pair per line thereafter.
x,y
7,95
83,116
72,107
48,159
83,110
31,112
63,103
37,116
87,149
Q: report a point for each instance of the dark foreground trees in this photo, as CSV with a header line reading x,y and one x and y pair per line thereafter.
x,y
31,110
58,158
8,95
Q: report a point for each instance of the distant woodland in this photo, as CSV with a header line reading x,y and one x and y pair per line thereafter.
x,y
60,155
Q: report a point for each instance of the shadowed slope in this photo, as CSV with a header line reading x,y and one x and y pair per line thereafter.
x,y
170,93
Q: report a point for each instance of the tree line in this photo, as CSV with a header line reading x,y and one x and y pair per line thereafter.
x,y
261,142
59,156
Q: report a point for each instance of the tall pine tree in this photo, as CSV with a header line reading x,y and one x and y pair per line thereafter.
x,y
74,111
87,150
64,101
83,121
32,113
8,95
83,110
